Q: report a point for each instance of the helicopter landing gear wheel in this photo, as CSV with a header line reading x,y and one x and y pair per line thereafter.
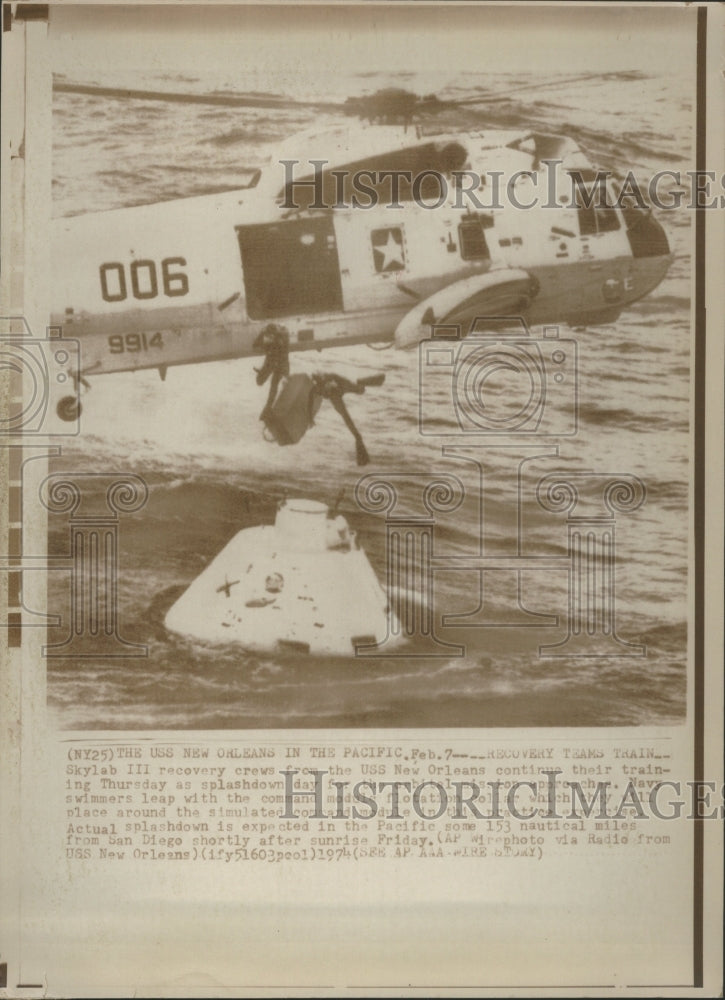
x,y
69,408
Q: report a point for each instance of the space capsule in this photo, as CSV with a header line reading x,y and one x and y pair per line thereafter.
x,y
301,585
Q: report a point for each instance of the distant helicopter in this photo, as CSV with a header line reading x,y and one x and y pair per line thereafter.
x,y
198,279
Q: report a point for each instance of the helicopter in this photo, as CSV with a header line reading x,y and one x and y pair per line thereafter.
x,y
367,231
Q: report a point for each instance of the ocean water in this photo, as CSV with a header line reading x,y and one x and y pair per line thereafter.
x,y
196,441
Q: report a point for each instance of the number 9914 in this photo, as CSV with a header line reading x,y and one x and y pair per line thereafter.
x,y
131,343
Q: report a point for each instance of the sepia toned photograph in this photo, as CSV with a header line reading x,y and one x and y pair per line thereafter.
x,y
388,358
361,497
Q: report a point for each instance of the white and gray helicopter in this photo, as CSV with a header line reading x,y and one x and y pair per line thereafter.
x,y
327,245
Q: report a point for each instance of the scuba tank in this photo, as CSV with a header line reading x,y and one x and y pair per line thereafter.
x,y
290,416
293,411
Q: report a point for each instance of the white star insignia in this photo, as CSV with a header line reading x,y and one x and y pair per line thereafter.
x,y
392,252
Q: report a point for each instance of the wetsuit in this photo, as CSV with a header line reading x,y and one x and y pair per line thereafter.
x,y
274,341
334,387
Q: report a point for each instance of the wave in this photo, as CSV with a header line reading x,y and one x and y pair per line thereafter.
x,y
597,415
633,346
243,135
675,303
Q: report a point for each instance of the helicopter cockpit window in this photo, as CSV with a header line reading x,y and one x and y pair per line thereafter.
x,y
607,219
633,215
471,238
595,217
587,220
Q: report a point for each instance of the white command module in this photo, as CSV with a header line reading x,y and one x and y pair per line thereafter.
x,y
299,585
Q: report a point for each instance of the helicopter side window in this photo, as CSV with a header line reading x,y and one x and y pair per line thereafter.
x,y
472,240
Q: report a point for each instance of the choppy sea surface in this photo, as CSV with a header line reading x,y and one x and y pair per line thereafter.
x,y
196,440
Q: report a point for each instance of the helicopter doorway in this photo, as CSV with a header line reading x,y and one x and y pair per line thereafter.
x,y
290,267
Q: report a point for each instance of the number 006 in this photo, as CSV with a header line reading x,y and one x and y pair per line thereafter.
x,y
143,279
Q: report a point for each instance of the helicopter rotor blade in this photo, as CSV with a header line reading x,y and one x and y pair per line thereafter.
x,y
218,100
428,105
486,97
